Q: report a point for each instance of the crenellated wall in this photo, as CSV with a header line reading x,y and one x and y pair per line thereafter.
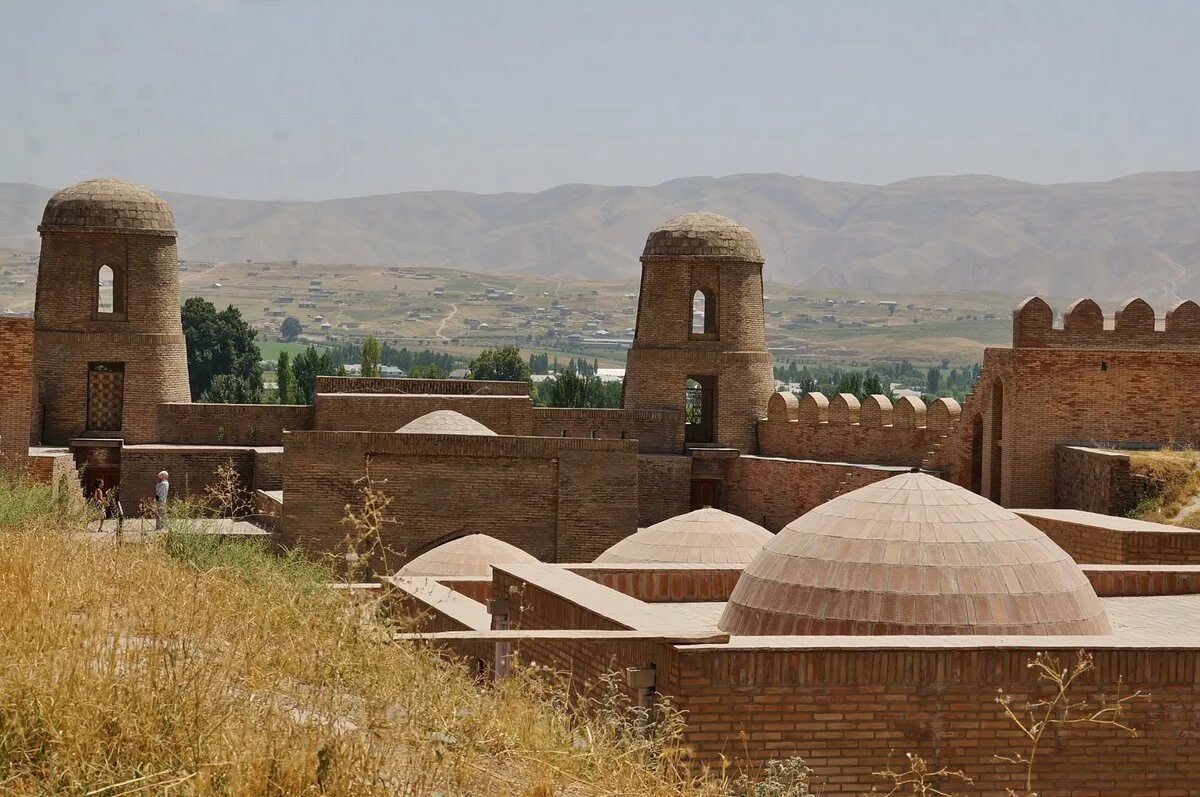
x,y
1133,326
842,429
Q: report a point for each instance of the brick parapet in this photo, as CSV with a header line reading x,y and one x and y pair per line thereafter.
x,y
387,412
447,387
1133,326
1101,539
657,431
231,424
16,392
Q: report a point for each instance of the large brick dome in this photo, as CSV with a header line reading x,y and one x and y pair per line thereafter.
x,y
707,236
108,205
705,536
470,556
912,555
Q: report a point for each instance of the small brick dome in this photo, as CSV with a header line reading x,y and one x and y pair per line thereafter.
x,y
705,536
470,556
445,422
108,205
703,236
912,555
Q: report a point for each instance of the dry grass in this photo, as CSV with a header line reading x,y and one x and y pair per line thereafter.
x,y
191,668
1177,477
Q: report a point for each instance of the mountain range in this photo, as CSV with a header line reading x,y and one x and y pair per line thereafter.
x,y
1135,235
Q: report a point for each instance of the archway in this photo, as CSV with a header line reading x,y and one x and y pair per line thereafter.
x,y
699,404
105,285
977,454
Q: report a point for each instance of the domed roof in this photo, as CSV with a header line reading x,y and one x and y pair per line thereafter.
x,y
912,555
703,236
468,556
108,205
445,422
705,536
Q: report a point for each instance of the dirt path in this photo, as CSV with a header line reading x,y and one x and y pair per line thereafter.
x,y
453,312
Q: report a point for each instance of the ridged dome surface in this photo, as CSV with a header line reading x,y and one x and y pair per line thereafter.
x,y
705,536
703,236
108,205
912,555
470,556
445,422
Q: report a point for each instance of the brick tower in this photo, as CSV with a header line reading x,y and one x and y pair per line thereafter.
x,y
108,342
700,345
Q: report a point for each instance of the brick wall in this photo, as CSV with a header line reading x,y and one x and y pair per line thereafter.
x,y
774,492
16,391
559,499
847,710
657,431
664,583
380,412
1101,539
1141,580
192,468
664,487
1127,384
446,387
231,424
1094,480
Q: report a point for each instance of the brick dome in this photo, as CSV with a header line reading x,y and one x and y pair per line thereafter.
x,y
445,422
703,236
108,205
470,556
705,536
912,555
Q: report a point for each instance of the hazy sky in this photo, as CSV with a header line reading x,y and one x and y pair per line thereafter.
x,y
307,100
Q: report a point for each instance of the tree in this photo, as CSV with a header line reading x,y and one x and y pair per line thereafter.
x,y
430,371
291,328
370,357
933,380
220,343
285,377
504,364
232,389
308,365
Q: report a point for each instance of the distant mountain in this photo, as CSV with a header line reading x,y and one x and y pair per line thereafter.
x,y
1134,235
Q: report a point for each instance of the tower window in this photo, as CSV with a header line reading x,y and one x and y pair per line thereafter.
x,y
110,292
704,312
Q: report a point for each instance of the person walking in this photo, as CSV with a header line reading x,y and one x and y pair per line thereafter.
x,y
99,499
161,491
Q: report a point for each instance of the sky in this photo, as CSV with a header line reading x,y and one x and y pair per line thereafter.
x,y
315,100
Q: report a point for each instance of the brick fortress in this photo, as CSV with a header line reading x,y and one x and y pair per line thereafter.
x,y
770,562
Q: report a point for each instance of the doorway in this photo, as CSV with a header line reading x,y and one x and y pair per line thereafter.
x,y
699,405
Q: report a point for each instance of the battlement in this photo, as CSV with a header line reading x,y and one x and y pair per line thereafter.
x,y
1084,326
875,430
908,412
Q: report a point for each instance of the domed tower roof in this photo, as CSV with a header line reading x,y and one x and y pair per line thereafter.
x,y
445,422
108,205
469,556
705,236
705,536
912,555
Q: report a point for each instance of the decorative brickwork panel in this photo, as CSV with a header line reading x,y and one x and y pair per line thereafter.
x,y
106,394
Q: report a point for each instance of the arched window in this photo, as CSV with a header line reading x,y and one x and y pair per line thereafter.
x,y
704,312
110,291
106,283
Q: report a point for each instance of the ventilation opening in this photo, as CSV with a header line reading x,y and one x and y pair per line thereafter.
x,y
704,312
109,300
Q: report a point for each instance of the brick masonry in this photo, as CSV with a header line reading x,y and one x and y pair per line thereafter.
x,y
231,424
16,377
657,431
559,499
380,412
1101,539
1095,480
147,338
